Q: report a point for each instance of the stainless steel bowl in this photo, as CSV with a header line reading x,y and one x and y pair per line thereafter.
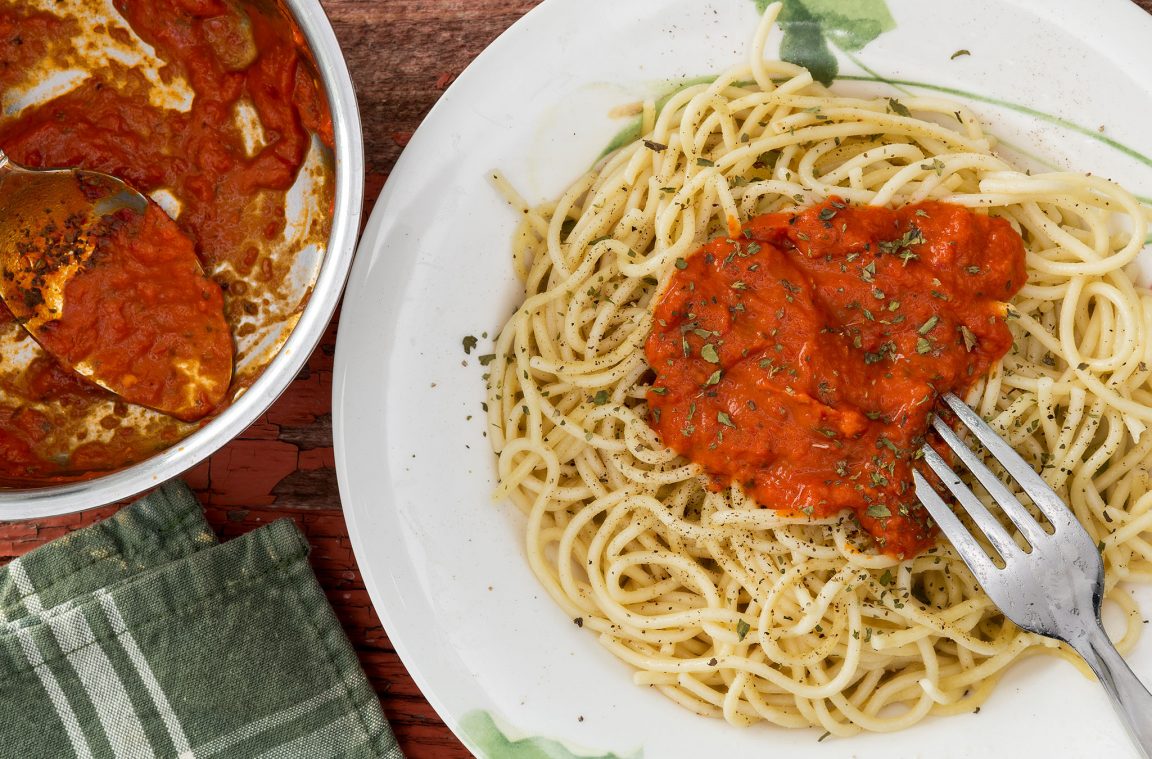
x,y
349,192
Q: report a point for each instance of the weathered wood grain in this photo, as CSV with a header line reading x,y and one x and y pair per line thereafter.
x,y
402,54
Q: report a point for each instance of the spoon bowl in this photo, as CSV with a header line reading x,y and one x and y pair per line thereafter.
x,y
45,217
107,283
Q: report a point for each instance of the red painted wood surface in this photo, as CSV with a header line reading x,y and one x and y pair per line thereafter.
x,y
403,54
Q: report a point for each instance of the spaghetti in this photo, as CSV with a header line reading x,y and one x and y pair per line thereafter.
x,y
751,613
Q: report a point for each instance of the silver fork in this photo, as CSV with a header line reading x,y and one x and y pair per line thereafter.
x,y
1053,589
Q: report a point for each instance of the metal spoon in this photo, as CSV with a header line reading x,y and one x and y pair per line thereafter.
x,y
71,236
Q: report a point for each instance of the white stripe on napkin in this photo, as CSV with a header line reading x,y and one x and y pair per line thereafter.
x,y
272,721
105,689
144,670
56,694
24,584
333,740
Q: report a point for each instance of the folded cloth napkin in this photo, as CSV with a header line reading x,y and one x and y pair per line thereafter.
x,y
143,637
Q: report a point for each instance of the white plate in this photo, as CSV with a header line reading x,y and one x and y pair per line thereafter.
x,y
444,564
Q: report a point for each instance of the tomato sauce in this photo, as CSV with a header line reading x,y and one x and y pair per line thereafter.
x,y
141,315
802,358
231,193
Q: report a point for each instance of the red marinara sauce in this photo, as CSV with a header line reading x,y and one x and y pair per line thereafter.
x,y
143,316
803,357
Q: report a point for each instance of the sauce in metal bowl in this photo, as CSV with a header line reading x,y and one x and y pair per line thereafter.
x,y
239,119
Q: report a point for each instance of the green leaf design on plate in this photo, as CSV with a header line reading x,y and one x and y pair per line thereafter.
x,y
481,729
804,42
809,25
631,133
852,24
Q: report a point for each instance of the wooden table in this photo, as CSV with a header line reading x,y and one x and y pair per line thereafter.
x,y
403,54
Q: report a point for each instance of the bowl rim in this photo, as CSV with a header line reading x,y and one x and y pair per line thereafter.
x,y
66,498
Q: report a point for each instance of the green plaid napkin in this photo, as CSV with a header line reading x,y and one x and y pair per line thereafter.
x,y
142,637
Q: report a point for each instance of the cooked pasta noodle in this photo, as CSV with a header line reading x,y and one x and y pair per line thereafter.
x,y
738,611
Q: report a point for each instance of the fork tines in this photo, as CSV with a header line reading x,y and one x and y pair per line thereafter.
x,y
1044,498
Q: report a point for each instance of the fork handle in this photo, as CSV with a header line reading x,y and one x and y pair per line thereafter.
x,y
1130,698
